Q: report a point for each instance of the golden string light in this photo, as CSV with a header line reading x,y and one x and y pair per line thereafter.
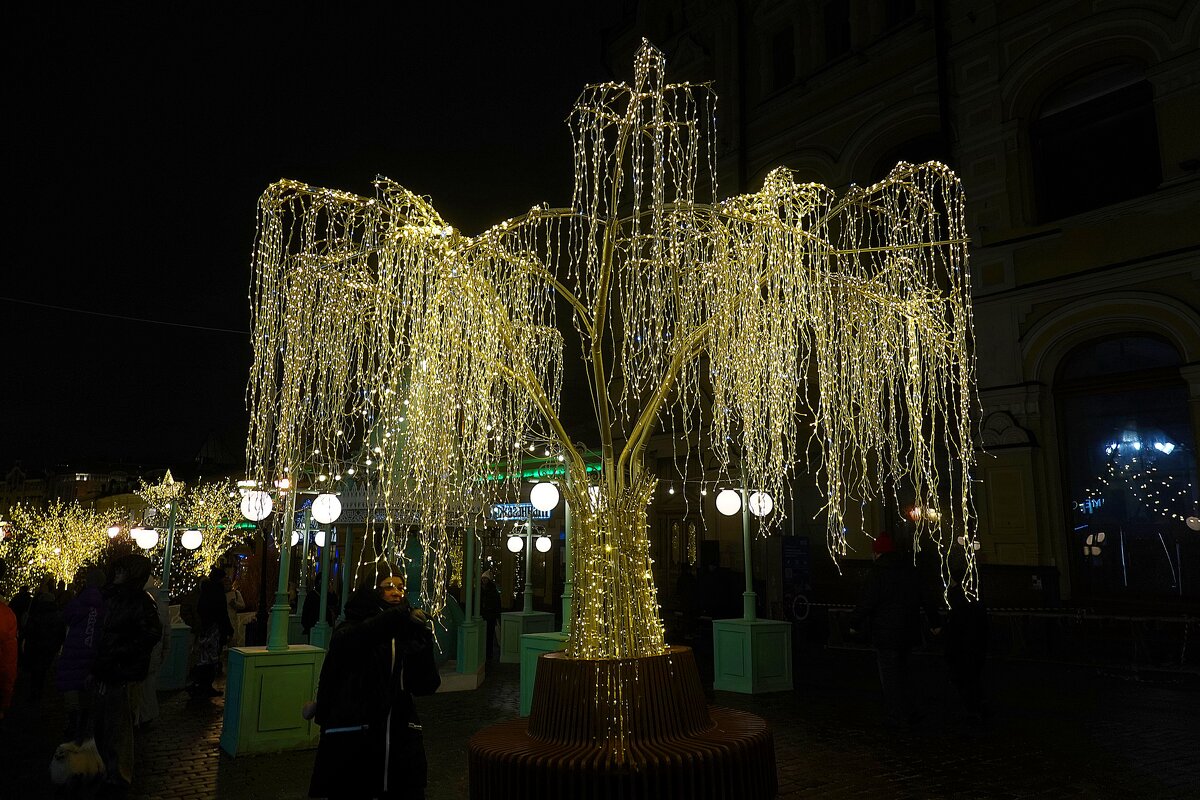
x,y
786,325
55,542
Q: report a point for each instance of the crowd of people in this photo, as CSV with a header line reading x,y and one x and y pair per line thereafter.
x,y
111,634
102,641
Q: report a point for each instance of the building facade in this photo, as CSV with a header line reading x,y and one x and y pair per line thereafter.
x,y
1072,126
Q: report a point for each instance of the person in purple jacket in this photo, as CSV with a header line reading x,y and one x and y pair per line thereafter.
x,y
83,616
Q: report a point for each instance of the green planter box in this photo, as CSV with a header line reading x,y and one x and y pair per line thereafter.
x,y
752,656
264,693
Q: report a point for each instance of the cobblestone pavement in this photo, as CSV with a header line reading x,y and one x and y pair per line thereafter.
x,y
1057,732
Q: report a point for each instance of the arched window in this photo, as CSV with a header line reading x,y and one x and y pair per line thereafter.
x,y
1095,143
1129,464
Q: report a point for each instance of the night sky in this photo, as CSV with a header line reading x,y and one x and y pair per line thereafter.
x,y
143,141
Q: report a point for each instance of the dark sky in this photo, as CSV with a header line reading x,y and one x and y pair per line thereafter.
x,y
144,139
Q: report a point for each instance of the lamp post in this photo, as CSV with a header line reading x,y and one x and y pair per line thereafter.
x,y
729,502
267,684
515,625
751,655
543,497
326,509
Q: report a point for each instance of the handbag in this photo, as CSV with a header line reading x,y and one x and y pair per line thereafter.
x,y
76,761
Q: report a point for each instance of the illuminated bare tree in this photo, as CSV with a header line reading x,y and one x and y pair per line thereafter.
x,y
386,342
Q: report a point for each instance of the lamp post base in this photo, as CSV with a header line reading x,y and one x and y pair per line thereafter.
x,y
752,655
264,693
514,625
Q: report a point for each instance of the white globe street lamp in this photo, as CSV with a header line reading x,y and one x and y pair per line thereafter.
x,y
761,504
543,544
114,531
326,508
544,496
146,538
729,502
514,543
191,539
256,506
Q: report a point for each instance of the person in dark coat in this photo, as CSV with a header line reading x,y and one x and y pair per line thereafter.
x,y
890,614
214,630
311,610
128,634
20,603
44,634
965,634
489,608
378,659
83,616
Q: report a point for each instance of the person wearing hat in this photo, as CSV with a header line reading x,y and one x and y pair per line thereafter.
x,y
378,659
890,615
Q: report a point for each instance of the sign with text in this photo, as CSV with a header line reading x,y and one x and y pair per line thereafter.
x,y
515,512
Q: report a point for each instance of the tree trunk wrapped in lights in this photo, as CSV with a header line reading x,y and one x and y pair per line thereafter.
x,y
390,347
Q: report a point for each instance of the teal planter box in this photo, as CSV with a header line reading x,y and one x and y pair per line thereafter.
x,y
533,646
752,656
514,625
173,673
264,693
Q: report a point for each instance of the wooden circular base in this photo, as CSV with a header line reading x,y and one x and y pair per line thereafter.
x,y
623,728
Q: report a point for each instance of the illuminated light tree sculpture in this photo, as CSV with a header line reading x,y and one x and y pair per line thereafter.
x,y
829,328
55,542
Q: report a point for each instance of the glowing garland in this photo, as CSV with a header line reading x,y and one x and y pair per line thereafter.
x,y
55,542
388,344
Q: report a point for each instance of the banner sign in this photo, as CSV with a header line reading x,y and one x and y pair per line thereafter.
x,y
515,512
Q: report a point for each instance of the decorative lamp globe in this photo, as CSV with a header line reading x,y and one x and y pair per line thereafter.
x,y
761,504
543,544
191,539
326,508
544,496
514,544
295,538
146,538
256,506
319,537
1193,522
113,531
729,502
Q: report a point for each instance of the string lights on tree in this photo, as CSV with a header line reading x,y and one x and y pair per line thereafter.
x,y
799,321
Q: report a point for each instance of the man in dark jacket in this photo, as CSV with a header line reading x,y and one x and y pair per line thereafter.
x,y
130,630
890,613
371,744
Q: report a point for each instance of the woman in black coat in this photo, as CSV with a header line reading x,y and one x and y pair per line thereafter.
x,y
370,734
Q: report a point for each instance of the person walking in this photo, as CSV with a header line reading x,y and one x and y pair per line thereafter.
x,y
214,630
890,614
382,655
128,633
83,616
235,604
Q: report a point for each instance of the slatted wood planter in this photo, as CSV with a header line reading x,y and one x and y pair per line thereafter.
x,y
672,745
